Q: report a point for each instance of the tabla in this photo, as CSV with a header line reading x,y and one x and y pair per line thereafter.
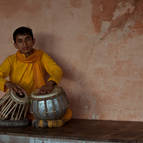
x,y
14,106
51,106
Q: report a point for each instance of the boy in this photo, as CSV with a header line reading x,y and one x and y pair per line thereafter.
x,y
26,70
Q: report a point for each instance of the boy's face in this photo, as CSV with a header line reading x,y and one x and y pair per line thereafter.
x,y
24,43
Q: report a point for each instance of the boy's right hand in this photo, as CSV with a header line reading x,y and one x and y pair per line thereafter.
x,y
15,87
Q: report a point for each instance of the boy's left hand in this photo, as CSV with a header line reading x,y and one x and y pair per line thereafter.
x,y
45,89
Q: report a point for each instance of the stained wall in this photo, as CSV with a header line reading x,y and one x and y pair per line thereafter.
x,y
99,45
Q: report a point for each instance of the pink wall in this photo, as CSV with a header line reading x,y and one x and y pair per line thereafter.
x,y
99,45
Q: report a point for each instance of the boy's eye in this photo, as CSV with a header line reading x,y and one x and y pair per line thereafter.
x,y
19,41
28,39
25,40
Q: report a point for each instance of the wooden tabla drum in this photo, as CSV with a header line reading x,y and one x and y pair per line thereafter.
x,y
14,106
50,106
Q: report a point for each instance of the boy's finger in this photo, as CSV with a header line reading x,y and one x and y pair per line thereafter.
x,y
15,89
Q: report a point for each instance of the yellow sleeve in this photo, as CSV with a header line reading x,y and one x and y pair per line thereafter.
x,y
4,72
52,68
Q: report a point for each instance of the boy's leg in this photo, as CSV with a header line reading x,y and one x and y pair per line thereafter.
x,y
53,123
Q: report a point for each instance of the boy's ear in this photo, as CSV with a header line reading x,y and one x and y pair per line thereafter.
x,y
34,40
15,45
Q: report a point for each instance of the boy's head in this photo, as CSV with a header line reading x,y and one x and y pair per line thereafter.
x,y
23,40
22,31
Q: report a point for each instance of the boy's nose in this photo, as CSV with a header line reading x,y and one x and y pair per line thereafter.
x,y
24,44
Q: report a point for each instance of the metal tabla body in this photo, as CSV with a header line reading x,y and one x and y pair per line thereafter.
x,y
14,106
50,106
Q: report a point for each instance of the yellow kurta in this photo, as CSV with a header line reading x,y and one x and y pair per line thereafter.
x,y
22,73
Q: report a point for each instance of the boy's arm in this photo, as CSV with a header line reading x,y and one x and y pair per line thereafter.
x,y
54,71
14,87
5,68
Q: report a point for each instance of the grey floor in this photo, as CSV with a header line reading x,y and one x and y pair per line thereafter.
x,y
21,139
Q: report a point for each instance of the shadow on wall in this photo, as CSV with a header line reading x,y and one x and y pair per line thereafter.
x,y
49,44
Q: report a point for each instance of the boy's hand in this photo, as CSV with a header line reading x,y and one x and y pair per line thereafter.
x,y
15,87
46,88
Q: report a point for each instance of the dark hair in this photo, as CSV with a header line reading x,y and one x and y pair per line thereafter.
x,y
22,31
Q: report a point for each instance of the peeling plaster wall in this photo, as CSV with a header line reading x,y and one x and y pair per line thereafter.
x,y
98,44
